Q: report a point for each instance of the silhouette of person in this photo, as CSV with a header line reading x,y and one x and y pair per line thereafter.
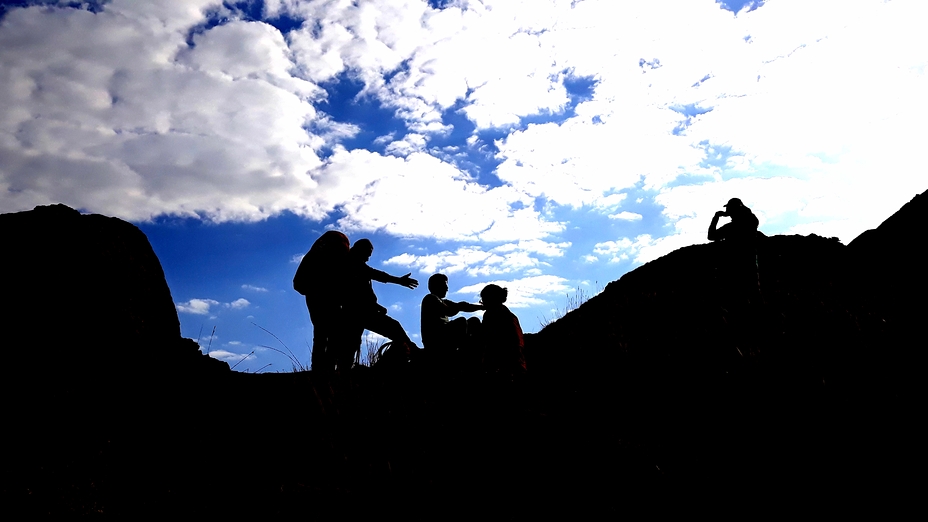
x,y
318,277
743,224
739,237
502,334
361,305
438,330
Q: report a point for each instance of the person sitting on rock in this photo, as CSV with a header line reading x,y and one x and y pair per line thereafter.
x,y
502,334
361,306
439,332
743,224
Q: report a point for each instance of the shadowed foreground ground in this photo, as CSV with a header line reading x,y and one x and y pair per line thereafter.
x,y
683,385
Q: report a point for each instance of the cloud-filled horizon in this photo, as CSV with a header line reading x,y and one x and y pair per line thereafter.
x,y
547,146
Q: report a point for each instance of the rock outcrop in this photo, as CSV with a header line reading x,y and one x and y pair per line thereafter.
x,y
86,298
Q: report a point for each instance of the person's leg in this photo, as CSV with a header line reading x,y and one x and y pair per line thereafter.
x,y
388,327
345,337
320,360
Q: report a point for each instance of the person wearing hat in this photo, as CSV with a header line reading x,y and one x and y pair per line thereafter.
x,y
743,224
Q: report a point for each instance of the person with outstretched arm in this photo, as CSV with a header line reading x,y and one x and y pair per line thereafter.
x,y
362,309
439,331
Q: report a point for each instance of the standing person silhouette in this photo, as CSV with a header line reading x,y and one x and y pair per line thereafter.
x,y
743,224
317,278
361,307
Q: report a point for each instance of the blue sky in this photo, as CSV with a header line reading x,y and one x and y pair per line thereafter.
x,y
547,146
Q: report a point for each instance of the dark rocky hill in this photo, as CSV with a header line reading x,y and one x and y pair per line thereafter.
x,y
789,373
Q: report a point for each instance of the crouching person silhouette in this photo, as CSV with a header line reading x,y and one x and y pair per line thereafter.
x,y
362,308
503,342
442,335
317,278
742,273
743,224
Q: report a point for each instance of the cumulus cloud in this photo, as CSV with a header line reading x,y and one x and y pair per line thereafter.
x,y
255,288
523,292
231,357
477,261
202,306
231,127
238,304
626,216
196,306
410,143
369,187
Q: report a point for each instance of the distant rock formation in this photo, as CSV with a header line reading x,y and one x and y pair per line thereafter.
x,y
86,297
805,304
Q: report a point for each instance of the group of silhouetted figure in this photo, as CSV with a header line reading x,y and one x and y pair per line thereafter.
x,y
337,282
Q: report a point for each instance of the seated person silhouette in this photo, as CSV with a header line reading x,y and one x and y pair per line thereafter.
x,y
743,224
318,278
362,308
503,342
439,332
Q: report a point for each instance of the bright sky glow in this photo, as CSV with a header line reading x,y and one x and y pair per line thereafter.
x,y
542,145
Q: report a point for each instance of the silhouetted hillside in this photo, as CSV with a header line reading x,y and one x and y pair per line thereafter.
x,y
786,374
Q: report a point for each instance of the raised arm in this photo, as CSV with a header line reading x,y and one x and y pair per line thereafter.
x,y
713,233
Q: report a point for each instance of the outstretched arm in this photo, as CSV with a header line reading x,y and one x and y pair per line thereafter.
x,y
406,281
713,233
464,306
383,277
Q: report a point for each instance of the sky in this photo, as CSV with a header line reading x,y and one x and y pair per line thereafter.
x,y
547,146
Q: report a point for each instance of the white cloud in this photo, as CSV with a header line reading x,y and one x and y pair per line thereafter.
x,y
475,261
230,357
229,129
196,306
255,288
626,216
238,304
202,306
410,143
523,292
143,124
368,187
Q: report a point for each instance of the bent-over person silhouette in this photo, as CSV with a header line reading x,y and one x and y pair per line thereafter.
x,y
318,277
743,224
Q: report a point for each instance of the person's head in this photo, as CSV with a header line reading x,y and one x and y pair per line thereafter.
x,y
362,249
332,241
438,285
493,295
733,204
735,207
